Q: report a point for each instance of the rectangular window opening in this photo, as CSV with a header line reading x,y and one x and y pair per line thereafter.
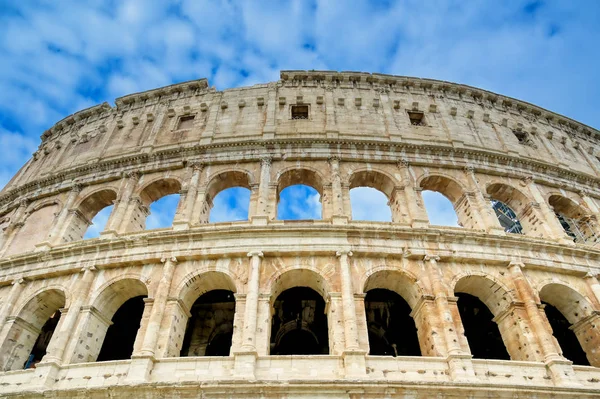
x,y
299,111
416,118
521,136
186,122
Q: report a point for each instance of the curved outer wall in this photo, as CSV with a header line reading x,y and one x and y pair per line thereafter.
x,y
470,145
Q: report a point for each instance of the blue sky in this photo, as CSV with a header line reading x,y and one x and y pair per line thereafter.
x,y
57,57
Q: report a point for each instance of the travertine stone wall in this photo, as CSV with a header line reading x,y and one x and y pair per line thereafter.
x,y
473,146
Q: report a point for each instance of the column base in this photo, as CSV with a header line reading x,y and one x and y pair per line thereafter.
x,y
339,219
259,220
108,234
419,224
460,367
43,246
46,373
355,363
178,226
562,373
245,364
499,231
566,241
140,368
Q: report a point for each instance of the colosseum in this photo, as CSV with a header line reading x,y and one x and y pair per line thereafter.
x,y
504,305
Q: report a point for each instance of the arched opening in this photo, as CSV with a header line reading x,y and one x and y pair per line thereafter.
x,y
299,324
159,203
209,330
30,332
227,197
121,335
391,329
481,331
445,202
561,329
92,215
510,206
565,308
439,209
574,220
111,324
299,193
370,196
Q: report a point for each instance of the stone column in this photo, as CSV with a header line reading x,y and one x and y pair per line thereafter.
x,y
262,207
339,216
57,233
397,204
250,312
418,215
115,222
14,225
184,219
8,305
245,359
459,362
560,368
66,325
353,355
483,206
554,227
594,286
158,308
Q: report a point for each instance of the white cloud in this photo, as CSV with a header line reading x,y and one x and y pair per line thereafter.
x,y
369,204
439,209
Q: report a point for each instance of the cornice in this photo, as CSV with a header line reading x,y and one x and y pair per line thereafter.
x,y
455,245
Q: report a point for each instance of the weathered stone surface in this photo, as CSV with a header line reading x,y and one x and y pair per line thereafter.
x,y
466,143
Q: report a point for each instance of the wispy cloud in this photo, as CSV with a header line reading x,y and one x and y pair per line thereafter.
x,y
59,57
299,202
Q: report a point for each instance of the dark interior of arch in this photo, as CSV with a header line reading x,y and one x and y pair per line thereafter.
x,y
210,328
481,331
299,325
565,336
392,331
41,344
120,337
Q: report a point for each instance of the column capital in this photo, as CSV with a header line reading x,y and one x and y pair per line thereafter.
x,y
266,160
132,174
333,159
197,166
469,169
429,258
590,275
516,263
76,187
252,254
18,281
343,252
90,268
403,163
165,259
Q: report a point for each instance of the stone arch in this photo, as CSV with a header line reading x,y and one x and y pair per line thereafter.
x,y
38,221
575,219
158,188
24,329
105,304
304,293
198,283
401,282
300,175
88,207
455,192
221,181
298,277
518,202
393,329
492,292
380,181
488,335
579,327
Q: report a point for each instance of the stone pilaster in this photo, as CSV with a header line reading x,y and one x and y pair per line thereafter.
x,y
418,215
58,231
184,219
116,221
483,207
158,308
66,325
8,305
560,368
262,207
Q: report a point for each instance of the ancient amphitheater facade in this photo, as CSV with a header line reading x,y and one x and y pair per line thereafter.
x,y
334,307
